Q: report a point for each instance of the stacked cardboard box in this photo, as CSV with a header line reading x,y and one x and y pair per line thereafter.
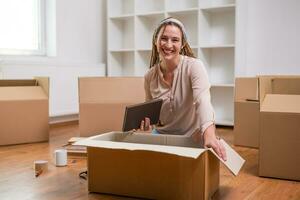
x,y
24,106
246,112
279,149
102,102
272,118
154,166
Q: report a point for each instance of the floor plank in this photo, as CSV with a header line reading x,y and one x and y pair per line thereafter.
x,y
17,180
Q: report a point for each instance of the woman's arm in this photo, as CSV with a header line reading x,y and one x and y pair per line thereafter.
x,y
147,88
211,141
204,110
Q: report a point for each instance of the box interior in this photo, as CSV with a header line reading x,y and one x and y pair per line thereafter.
x,y
148,138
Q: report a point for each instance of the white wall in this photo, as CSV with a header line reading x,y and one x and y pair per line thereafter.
x,y
268,37
81,30
80,51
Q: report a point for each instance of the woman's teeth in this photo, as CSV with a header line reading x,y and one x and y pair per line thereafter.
x,y
167,51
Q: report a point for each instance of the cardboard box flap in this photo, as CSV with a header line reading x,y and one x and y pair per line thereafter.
x,y
176,145
115,140
111,89
282,103
286,85
44,83
265,87
19,82
234,161
22,93
246,88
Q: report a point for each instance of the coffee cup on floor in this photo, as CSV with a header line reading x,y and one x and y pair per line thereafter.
x,y
60,157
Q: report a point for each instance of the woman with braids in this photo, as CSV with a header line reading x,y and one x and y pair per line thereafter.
x,y
177,77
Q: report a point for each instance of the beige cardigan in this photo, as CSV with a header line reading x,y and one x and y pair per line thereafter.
x,y
186,105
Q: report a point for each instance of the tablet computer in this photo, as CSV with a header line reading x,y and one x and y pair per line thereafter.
x,y
134,114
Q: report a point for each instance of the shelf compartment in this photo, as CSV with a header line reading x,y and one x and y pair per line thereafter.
x,y
219,63
222,101
189,20
120,7
148,6
122,36
215,3
174,5
121,63
142,62
145,29
217,28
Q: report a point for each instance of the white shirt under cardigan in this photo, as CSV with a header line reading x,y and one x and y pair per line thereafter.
x,y
186,105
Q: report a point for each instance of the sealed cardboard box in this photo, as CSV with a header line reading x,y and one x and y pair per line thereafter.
x,y
246,112
246,124
24,115
102,102
154,166
280,137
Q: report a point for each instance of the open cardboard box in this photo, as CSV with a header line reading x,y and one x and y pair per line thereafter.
x,y
280,127
154,166
24,106
102,102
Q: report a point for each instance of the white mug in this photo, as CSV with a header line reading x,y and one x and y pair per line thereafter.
x,y
60,157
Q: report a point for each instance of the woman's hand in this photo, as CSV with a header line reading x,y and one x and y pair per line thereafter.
x,y
211,141
145,125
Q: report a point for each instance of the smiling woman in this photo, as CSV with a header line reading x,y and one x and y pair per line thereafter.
x,y
22,27
181,81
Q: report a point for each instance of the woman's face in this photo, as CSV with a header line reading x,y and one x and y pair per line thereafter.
x,y
169,43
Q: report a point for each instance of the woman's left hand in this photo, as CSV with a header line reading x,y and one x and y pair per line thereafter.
x,y
211,141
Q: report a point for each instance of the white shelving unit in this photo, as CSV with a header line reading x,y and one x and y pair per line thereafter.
x,y
210,26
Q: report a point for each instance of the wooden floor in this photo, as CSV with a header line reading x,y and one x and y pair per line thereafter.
x,y
17,180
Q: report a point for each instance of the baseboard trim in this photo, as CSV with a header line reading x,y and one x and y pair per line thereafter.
x,y
64,119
